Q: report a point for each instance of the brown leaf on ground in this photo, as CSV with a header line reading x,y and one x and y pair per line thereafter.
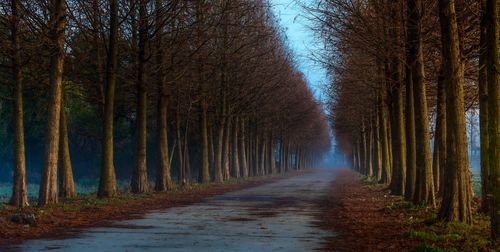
x,y
359,217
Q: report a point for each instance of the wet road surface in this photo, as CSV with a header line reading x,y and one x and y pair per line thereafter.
x,y
278,216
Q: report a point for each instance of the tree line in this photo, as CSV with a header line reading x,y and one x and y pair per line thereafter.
x,y
404,73
190,90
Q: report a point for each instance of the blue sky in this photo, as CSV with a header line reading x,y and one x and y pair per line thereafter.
x,y
302,41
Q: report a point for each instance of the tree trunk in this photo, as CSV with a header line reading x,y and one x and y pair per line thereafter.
x,y
386,165
236,157
398,182
493,66
377,156
163,178
19,191
369,156
263,156
456,204
67,187
272,156
139,182
180,150
107,181
410,138
483,111
57,25
204,171
220,143
212,150
424,188
440,136
227,150
244,162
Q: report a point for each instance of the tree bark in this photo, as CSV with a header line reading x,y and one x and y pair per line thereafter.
x,y
163,178
439,161
369,156
140,181
236,156
244,162
483,110
456,204
19,196
204,171
272,156
398,182
67,187
220,144
411,173
180,150
57,25
227,150
493,66
424,188
386,164
377,155
107,181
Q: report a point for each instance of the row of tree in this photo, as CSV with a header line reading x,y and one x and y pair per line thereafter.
x,y
205,90
407,71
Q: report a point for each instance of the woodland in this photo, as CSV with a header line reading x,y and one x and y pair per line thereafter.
x,y
404,73
161,93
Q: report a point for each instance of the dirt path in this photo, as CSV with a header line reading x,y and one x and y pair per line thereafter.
x,y
278,216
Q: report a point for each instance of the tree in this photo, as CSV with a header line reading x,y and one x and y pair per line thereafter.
x,y
107,180
493,66
424,187
67,185
140,182
456,205
56,25
19,196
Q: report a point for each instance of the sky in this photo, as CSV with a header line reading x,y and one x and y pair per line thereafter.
x,y
301,41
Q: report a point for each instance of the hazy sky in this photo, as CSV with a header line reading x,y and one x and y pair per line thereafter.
x,y
302,42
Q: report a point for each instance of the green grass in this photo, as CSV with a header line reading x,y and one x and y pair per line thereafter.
x,y
424,247
406,205
432,236
84,186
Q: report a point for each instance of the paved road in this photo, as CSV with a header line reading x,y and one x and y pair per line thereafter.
x,y
274,217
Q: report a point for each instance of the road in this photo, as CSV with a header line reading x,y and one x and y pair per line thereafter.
x,y
279,216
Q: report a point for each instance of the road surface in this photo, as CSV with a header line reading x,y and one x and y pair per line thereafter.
x,y
279,216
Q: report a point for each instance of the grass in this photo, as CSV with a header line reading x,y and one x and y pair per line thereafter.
x,y
424,247
87,194
432,236
444,236
406,205
84,186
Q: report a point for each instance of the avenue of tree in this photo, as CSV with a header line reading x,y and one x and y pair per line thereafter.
x,y
192,90
405,72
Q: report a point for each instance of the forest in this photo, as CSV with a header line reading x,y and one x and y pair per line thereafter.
x,y
159,93
404,74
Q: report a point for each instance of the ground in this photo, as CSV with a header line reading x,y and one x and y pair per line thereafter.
x,y
87,211
367,218
281,215
326,210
